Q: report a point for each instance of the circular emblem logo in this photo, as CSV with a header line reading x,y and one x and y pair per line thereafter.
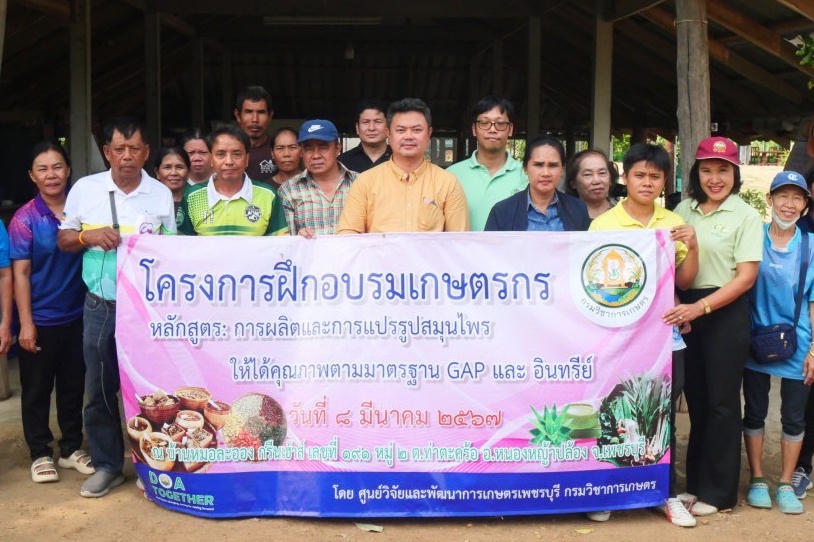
x,y
719,146
252,213
146,228
165,480
613,276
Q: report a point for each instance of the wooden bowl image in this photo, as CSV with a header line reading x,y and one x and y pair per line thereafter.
x,y
217,416
137,426
202,466
189,419
162,413
148,445
193,398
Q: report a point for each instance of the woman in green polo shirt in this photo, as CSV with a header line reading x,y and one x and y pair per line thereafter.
x,y
730,242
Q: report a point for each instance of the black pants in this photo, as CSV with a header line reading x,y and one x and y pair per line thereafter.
x,y
677,388
807,451
716,351
60,361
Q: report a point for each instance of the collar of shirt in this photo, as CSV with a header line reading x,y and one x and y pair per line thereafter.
x,y
142,188
727,205
41,207
404,175
510,165
628,221
306,178
213,196
554,201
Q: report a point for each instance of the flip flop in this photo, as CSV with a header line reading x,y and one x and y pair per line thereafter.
x,y
43,470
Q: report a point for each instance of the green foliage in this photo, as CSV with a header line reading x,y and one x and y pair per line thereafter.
x,y
548,426
805,50
756,199
620,147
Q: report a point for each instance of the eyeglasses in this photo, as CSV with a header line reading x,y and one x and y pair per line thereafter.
x,y
500,125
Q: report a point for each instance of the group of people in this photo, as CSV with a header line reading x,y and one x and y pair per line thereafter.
x,y
239,180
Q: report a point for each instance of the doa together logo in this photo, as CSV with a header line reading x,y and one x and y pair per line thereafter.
x,y
613,276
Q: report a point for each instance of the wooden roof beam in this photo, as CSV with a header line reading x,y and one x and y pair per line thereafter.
x,y
755,33
55,8
803,7
622,9
722,54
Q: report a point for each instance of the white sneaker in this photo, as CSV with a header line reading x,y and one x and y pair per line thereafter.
x,y
677,514
600,515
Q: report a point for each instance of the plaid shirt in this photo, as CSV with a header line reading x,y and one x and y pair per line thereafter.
x,y
306,205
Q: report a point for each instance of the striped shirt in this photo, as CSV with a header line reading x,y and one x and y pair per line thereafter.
x,y
306,205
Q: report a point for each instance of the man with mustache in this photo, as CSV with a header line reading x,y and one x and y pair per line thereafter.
x,y
253,113
407,193
313,200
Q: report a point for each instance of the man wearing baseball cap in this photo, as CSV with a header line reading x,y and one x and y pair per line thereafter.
x,y
313,200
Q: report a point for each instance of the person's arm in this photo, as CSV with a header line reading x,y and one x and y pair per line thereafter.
x,y
354,214
105,238
745,275
687,269
808,362
288,209
5,309
456,211
21,270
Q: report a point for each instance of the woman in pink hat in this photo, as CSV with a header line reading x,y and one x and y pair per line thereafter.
x,y
730,242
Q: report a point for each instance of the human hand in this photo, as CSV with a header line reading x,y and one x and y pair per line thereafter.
x,y
808,369
5,338
685,234
307,232
683,313
105,238
28,338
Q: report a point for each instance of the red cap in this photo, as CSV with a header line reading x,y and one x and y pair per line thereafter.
x,y
718,147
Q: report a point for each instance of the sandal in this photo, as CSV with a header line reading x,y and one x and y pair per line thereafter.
x,y
43,470
79,460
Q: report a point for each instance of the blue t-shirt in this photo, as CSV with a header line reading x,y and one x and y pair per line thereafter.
x,y
4,259
57,290
772,301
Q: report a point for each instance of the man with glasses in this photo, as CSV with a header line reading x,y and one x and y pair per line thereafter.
x,y
371,127
313,200
491,174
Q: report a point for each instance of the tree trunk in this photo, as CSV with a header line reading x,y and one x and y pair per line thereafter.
x,y
692,67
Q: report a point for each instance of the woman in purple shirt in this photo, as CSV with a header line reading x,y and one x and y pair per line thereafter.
x,y
49,293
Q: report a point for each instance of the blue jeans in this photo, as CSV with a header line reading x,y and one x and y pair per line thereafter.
x,y
103,426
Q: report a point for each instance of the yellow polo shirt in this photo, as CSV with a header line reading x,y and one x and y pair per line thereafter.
x,y
385,199
662,219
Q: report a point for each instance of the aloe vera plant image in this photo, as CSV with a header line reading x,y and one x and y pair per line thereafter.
x,y
549,427
637,409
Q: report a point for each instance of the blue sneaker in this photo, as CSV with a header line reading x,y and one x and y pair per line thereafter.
x,y
801,482
758,495
787,501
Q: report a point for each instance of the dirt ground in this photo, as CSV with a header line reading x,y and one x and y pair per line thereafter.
x,y
31,511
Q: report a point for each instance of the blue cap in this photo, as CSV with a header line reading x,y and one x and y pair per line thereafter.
x,y
789,178
321,130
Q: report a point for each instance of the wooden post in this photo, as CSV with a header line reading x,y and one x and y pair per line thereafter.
x,y
535,46
497,67
79,58
226,87
692,63
3,11
152,77
603,78
197,83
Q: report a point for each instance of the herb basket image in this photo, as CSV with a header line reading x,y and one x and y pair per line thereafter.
x,y
636,414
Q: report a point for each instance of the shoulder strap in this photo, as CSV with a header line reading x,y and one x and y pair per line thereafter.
x,y
113,213
804,257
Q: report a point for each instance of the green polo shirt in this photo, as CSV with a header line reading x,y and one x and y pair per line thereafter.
x,y
254,210
483,190
729,235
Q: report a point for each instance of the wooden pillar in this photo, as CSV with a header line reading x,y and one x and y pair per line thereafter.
x,y
692,63
80,94
197,83
497,67
533,91
226,87
152,77
3,11
639,135
603,78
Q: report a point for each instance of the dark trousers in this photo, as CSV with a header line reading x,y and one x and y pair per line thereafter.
x,y
716,351
59,361
807,451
